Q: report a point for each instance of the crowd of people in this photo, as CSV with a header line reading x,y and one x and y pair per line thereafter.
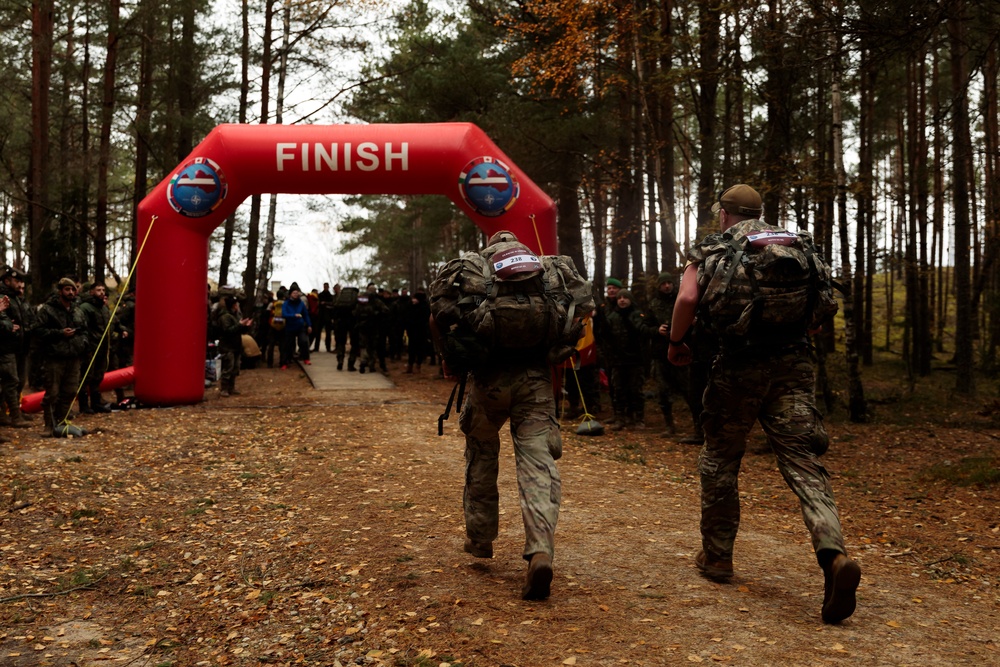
x,y
363,328
366,327
63,346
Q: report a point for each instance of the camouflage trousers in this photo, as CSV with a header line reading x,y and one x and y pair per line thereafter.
x,y
10,384
62,379
777,391
523,395
230,368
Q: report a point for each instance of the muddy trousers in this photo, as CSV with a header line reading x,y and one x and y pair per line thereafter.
x,y
524,396
777,391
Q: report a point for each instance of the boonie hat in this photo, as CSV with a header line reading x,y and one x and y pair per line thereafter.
x,y
13,272
740,199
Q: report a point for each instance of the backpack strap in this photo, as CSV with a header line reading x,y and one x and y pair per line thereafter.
x,y
460,389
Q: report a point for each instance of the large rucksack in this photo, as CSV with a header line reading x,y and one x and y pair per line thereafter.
x,y
764,281
345,300
277,318
507,302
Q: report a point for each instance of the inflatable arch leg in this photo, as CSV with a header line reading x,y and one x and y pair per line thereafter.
x,y
236,161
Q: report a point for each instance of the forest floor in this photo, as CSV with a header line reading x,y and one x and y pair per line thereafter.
x,y
291,526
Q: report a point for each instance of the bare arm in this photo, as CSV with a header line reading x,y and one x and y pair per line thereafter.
x,y
685,308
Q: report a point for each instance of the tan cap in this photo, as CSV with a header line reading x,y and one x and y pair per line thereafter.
x,y
740,200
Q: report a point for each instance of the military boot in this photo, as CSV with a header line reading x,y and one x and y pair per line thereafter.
x,y
841,577
538,578
84,400
671,428
47,429
17,419
718,569
97,403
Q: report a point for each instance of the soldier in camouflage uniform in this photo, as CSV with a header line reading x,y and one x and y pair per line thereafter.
x,y
769,379
94,306
14,345
515,386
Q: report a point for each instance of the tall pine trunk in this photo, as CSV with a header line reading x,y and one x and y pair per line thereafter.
x,y
104,152
857,406
964,322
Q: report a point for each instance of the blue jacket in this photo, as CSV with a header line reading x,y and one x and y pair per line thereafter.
x,y
292,308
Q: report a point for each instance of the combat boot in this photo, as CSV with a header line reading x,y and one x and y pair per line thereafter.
x,y
84,401
538,578
841,577
478,549
671,428
719,569
47,429
17,419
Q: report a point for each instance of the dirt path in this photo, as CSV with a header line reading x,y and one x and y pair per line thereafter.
x,y
289,526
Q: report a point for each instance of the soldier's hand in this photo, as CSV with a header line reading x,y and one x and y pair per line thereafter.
x,y
680,355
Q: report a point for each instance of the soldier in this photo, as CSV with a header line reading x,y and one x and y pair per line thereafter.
x,y
62,335
368,316
766,375
325,323
231,326
22,320
94,306
670,380
513,385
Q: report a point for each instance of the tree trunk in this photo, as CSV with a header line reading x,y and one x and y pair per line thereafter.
x,y
709,21
857,406
42,270
964,334
143,114
230,225
104,152
266,263
253,233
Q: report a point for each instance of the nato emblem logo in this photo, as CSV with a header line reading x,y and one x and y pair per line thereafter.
x,y
488,186
197,188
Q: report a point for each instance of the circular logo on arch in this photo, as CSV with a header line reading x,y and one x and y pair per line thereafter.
x,y
197,188
488,186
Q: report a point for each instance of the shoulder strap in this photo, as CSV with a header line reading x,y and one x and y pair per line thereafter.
x,y
460,389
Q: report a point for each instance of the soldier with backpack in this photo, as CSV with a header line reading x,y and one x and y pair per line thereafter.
x,y
504,315
761,289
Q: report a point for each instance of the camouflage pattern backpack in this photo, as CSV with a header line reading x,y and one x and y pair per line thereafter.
x,y
760,280
506,302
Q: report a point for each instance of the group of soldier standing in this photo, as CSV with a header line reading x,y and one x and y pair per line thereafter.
x,y
64,346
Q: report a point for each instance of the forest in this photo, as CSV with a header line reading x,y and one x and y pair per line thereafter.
x,y
873,125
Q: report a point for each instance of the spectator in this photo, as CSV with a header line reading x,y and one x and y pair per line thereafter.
x,y
298,326
22,317
62,336
417,325
629,332
94,306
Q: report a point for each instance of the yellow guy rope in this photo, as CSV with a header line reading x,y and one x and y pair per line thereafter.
x,y
123,289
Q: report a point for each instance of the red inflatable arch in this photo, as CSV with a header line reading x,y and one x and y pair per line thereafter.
x,y
236,161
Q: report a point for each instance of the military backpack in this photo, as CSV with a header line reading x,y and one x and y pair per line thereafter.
x,y
761,281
